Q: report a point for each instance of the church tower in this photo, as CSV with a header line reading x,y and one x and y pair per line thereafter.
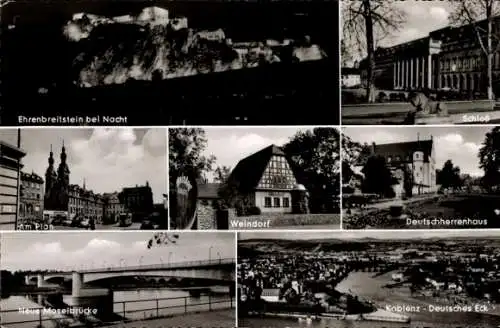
x,y
50,182
50,173
63,182
63,170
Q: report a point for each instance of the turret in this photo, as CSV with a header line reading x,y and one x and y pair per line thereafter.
x,y
63,170
50,173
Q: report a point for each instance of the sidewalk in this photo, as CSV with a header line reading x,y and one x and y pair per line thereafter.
x,y
219,319
461,112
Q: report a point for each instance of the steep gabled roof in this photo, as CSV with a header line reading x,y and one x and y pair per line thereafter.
x,y
402,149
249,171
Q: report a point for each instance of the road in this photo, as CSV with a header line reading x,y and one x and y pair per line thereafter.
x,y
134,226
461,112
222,319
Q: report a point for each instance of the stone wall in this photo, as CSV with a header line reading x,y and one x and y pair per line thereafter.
x,y
206,215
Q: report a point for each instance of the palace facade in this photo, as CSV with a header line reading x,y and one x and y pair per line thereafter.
x,y
450,57
417,157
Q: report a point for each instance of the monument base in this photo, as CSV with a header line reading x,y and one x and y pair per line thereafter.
x,y
433,120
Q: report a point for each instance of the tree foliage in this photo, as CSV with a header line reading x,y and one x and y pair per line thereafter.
x,y
378,177
315,160
366,23
351,153
408,180
489,158
186,147
470,12
221,174
163,239
449,176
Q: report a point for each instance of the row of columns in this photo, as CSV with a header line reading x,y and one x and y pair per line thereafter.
x,y
415,72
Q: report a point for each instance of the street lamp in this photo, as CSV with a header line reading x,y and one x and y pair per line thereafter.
x,y
161,261
210,253
169,257
218,255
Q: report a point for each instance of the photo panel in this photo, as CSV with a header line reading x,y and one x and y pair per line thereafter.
x,y
254,178
102,62
118,279
432,63
369,279
421,177
83,178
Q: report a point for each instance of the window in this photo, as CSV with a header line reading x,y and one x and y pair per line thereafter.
x,y
8,209
267,202
277,202
286,202
389,159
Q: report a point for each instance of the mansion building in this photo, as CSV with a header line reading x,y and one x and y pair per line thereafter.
x,y
450,57
417,157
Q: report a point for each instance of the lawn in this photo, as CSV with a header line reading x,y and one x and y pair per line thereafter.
x,y
481,208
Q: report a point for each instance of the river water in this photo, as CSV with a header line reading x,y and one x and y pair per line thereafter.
x,y
370,287
140,306
328,323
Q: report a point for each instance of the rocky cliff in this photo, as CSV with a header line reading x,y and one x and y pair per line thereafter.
x,y
152,45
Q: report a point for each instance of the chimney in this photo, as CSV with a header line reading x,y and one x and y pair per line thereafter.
x,y
374,147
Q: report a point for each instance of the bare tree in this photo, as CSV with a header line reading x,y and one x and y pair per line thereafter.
x,y
363,22
471,12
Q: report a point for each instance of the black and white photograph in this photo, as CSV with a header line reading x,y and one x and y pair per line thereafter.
x,y
82,178
118,279
420,62
369,279
254,178
421,177
165,62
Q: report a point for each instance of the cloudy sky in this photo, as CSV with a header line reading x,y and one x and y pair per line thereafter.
x,y
69,250
399,234
422,17
230,145
107,158
460,144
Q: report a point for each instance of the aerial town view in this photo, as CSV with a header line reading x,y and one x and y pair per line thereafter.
x,y
93,179
369,279
421,177
108,58
254,178
109,279
420,62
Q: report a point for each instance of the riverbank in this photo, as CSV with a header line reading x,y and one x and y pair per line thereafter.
x,y
369,287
